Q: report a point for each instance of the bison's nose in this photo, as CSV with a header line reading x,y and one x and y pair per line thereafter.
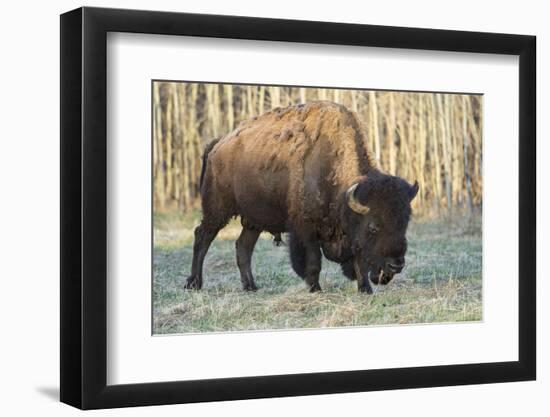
x,y
395,265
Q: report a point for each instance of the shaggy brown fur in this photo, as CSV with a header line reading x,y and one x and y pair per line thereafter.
x,y
288,170
275,155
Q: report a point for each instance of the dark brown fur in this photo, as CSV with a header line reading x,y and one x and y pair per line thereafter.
x,y
288,171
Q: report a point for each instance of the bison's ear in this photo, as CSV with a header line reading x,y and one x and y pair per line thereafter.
x,y
413,191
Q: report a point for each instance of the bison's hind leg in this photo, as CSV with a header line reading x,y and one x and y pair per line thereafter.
x,y
204,235
245,246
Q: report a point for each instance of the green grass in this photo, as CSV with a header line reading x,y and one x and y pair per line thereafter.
x,y
441,283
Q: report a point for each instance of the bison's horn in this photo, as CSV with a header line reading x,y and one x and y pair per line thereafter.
x,y
353,204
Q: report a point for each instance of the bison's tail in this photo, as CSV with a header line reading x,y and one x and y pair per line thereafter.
x,y
207,150
297,254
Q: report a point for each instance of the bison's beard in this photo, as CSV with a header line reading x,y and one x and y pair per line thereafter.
x,y
378,276
374,273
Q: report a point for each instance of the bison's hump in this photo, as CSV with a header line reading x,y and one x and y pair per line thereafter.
x,y
284,139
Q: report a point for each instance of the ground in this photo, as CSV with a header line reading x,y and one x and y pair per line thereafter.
x,y
441,282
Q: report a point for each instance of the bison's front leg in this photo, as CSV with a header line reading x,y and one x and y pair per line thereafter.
x,y
313,266
245,246
363,284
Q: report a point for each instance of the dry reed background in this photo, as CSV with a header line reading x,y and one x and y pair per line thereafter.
x,y
432,138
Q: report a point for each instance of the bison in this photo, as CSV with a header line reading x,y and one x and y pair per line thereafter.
x,y
305,170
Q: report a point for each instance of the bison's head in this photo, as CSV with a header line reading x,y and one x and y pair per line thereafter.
x,y
377,213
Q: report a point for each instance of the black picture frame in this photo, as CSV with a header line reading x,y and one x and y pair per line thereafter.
x,y
84,207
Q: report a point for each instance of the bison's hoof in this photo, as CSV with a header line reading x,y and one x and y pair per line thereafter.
x,y
250,287
366,289
315,288
193,283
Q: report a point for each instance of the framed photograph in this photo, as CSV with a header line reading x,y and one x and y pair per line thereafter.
x,y
257,208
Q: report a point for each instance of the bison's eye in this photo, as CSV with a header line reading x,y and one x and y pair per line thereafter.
x,y
373,229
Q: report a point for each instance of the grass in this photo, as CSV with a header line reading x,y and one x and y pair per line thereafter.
x,y
441,283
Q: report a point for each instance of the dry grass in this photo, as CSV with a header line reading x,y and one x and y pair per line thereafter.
x,y
441,283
